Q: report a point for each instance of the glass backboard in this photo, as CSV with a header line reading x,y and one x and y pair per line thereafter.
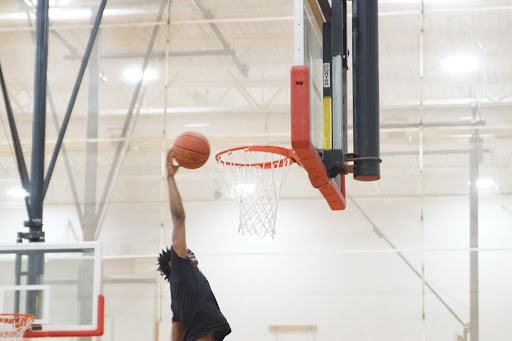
x,y
59,284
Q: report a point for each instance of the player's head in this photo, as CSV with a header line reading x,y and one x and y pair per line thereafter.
x,y
192,257
164,263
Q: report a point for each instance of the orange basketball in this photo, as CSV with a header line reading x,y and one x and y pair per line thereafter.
x,y
191,150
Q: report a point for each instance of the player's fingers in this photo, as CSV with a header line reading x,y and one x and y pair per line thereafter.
x,y
170,154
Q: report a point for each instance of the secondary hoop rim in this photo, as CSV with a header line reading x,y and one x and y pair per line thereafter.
x,y
21,322
8,316
288,154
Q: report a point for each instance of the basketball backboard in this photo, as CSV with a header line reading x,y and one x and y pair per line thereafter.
x,y
59,284
314,124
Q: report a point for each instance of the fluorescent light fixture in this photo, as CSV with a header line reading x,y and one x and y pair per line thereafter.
x,y
68,14
59,3
134,75
17,193
460,64
197,125
485,183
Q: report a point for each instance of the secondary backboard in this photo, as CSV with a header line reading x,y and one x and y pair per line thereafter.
x,y
57,283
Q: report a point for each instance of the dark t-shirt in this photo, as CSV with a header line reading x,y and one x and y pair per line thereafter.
x,y
193,303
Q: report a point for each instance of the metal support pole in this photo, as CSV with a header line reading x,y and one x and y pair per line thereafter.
x,y
338,133
36,195
474,159
56,123
39,121
365,60
91,147
344,54
17,281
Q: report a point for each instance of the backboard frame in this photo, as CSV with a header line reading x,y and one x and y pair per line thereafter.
x,y
19,250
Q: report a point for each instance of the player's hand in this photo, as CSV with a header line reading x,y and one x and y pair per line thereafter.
x,y
171,167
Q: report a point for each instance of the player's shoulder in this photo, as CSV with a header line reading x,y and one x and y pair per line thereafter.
x,y
176,257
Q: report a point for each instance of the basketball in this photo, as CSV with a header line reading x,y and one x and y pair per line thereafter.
x,y
191,150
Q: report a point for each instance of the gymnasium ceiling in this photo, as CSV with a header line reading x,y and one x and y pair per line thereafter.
x,y
228,65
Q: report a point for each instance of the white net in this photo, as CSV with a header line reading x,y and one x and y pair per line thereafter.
x,y
13,326
254,179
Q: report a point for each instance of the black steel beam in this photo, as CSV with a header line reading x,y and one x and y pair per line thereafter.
x,y
365,60
39,118
55,119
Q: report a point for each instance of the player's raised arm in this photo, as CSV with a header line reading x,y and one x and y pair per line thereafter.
x,y
179,243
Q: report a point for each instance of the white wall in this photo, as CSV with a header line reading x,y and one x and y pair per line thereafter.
x,y
323,268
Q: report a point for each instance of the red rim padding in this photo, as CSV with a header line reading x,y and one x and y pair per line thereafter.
x,y
301,141
79,333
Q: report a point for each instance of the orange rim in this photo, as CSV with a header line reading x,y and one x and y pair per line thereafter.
x,y
16,320
287,154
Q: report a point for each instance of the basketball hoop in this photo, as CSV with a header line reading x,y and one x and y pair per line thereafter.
x,y
13,326
255,175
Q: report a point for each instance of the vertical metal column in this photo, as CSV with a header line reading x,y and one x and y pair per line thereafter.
x,y
17,281
39,116
365,40
338,133
344,55
35,224
474,159
91,147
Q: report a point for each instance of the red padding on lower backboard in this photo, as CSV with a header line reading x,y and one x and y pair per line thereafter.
x,y
78,333
301,141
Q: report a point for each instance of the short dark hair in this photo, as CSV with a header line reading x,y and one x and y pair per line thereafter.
x,y
163,263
